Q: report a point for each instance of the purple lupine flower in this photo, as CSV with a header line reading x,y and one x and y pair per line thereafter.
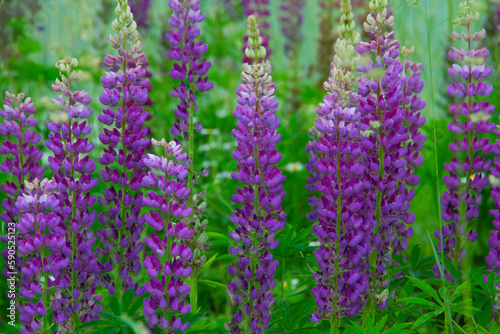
x,y
22,161
125,87
73,170
191,71
260,215
344,213
291,19
260,10
168,266
471,124
44,252
392,140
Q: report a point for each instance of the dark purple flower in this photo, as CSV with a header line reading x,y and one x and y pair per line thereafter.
x,y
125,87
471,124
260,215
168,266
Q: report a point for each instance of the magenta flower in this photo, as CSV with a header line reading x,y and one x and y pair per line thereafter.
x,y
471,125
260,215
168,266
125,87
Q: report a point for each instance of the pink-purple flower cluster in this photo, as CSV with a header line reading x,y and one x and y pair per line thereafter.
x,y
168,265
125,93
23,157
73,170
471,125
390,121
260,215
187,52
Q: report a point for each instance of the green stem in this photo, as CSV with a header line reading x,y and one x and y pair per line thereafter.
x,y
121,231
193,280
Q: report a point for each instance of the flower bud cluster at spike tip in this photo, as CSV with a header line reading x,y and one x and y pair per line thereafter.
x,y
168,264
186,51
471,112
22,157
125,93
259,9
344,213
392,141
260,214
291,20
73,170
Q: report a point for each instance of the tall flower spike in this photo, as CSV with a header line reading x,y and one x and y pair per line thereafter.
x,y
125,87
191,71
260,215
392,142
260,10
344,214
22,160
471,125
44,254
168,265
73,170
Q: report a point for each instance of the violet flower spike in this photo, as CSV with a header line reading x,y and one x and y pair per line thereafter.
x,y
22,160
260,215
191,71
125,87
471,124
343,212
392,149
168,266
73,170
44,254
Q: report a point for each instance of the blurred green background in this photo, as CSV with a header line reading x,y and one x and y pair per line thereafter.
x,y
36,34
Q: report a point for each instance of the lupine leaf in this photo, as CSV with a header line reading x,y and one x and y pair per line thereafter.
x,y
213,284
126,300
415,256
114,304
423,319
453,270
425,287
378,328
420,301
480,280
207,264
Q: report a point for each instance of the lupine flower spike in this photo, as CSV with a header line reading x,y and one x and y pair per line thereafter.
x,y
22,161
45,256
190,69
344,214
125,87
72,167
260,215
471,124
169,263
260,10
392,141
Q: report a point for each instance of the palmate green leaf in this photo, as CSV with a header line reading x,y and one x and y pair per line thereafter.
x,y
378,327
480,280
213,284
126,300
398,329
93,323
137,305
491,283
109,330
220,236
286,318
305,309
114,305
459,290
426,317
422,302
426,288
194,318
207,264
453,270
485,314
